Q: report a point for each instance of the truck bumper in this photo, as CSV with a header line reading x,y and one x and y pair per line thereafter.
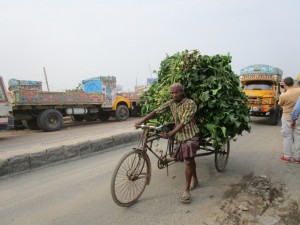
x,y
261,111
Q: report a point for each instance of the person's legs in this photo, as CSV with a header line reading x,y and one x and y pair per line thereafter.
x,y
189,172
297,141
194,182
287,134
189,149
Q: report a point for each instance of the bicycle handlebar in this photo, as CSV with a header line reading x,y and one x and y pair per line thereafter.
x,y
143,126
165,127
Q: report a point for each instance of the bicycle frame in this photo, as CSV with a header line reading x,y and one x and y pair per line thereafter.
x,y
150,135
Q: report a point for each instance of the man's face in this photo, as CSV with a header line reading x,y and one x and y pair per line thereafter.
x,y
176,94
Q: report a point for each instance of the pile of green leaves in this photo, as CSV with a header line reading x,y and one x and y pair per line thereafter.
x,y
208,80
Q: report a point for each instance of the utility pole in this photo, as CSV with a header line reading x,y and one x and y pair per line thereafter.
x,y
150,70
46,78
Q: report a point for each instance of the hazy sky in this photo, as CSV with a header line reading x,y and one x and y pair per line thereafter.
x,y
77,39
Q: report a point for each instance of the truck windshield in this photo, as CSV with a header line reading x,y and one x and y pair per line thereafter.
x,y
258,86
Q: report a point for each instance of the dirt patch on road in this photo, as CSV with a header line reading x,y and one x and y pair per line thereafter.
x,y
255,200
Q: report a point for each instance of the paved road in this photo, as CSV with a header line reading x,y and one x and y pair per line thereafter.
x,y
79,192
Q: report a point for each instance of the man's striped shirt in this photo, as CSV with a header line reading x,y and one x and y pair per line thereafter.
x,y
183,112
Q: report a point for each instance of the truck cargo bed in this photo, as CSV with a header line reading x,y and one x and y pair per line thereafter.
x,y
25,97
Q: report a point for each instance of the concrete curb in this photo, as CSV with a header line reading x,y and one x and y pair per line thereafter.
x,y
61,154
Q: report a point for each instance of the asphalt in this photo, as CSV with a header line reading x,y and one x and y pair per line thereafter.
x,y
42,156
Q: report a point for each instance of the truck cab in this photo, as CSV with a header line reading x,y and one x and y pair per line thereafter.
x,y
261,85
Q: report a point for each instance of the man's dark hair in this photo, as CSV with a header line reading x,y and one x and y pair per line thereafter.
x,y
288,81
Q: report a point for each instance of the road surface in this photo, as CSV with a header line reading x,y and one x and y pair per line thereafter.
x,y
79,192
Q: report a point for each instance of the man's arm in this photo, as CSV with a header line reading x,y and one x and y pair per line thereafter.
x,y
295,113
281,101
162,109
145,118
173,132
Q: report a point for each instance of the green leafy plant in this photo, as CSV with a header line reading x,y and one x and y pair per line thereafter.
x,y
211,83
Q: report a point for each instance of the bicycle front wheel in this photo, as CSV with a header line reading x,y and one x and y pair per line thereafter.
x,y
130,178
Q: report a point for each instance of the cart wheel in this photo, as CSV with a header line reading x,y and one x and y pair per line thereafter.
x,y
130,178
221,156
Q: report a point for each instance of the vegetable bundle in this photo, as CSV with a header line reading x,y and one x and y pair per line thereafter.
x,y
208,80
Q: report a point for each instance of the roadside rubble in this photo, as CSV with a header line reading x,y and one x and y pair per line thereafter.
x,y
258,201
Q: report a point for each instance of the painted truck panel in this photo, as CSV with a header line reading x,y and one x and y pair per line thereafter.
x,y
27,97
261,69
14,84
105,85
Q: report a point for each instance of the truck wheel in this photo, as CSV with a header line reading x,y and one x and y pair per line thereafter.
x,y
122,113
77,118
31,124
91,117
51,120
104,116
39,121
274,117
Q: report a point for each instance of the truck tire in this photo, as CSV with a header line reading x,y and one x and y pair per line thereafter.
x,y
91,117
122,113
78,118
39,121
50,120
31,124
274,117
104,116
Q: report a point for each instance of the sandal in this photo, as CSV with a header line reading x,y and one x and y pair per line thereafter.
x,y
194,185
186,197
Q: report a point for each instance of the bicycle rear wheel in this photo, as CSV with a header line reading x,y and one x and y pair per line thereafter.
x,y
130,178
221,156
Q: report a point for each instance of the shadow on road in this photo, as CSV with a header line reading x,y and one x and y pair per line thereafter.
x,y
262,121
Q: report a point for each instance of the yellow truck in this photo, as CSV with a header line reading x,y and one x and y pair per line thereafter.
x,y
261,84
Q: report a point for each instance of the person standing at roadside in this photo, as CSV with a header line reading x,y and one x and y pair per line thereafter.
x,y
295,115
183,110
287,100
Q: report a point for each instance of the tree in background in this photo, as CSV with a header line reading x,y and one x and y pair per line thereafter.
x,y
79,88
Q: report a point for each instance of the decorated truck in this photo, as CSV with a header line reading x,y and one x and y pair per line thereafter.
x,y
4,107
38,109
261,84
